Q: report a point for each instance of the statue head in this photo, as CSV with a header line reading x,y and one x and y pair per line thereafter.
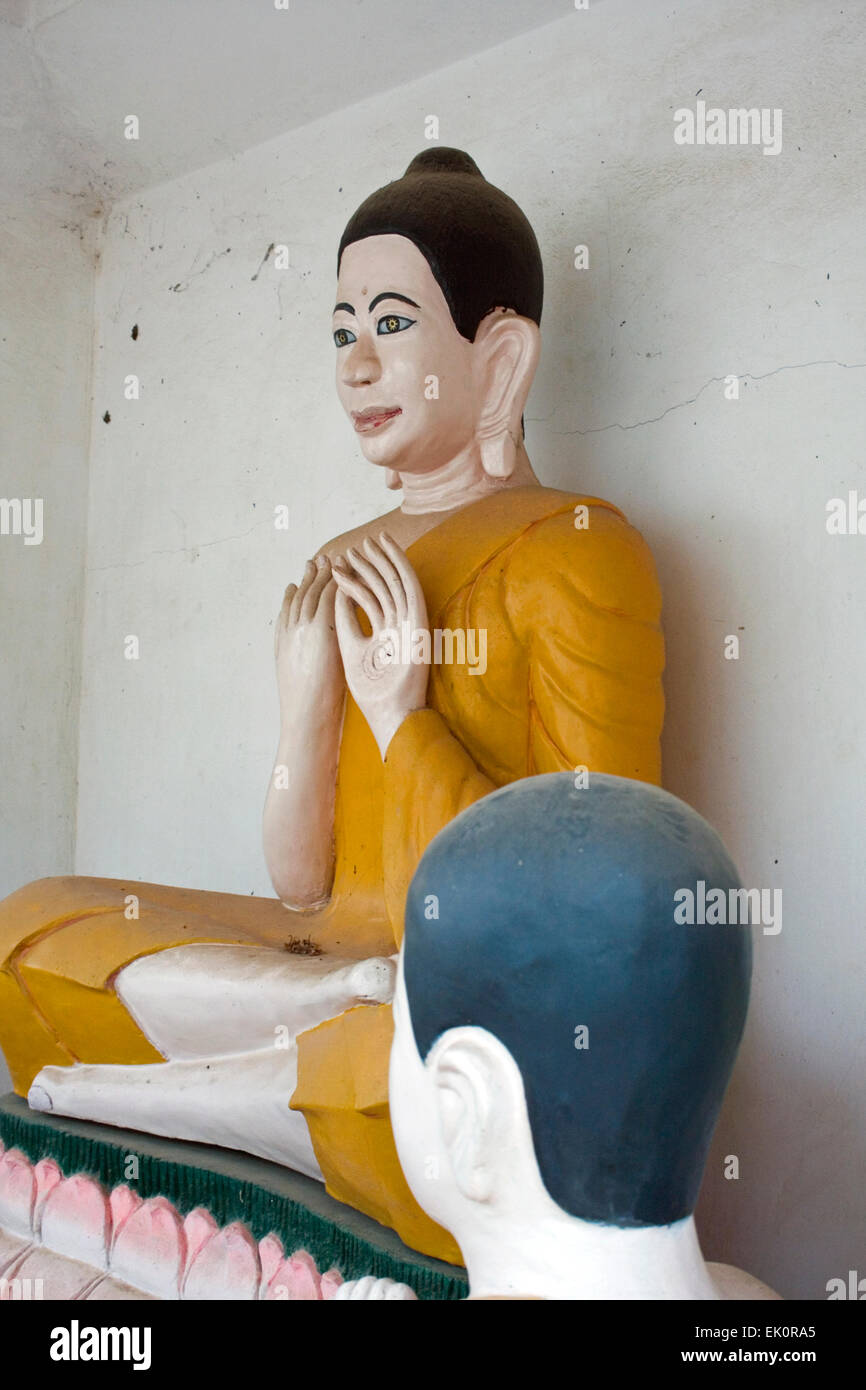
x,y
562,1045
439,297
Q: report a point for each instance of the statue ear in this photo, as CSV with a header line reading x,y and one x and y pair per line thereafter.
x,y
464,1113
507,350
472,1074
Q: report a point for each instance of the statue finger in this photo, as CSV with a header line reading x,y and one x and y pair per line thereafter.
x,y
416,604
364,597
325,606
376,581
349,634
291,590
379,1291
283,616
307,579
311,598
364,1287
389,574
400,1292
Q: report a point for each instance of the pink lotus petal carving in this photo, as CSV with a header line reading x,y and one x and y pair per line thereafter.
x,y
17,1193
271,1256
149,1250
48,1176
296,1280
330,1282
199,1227
76,1221
227,1267
122,1202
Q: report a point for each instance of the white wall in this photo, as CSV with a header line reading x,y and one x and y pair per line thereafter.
x,y
46,306
703,262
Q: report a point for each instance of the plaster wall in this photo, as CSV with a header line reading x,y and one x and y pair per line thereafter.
x,y
704,263
46,302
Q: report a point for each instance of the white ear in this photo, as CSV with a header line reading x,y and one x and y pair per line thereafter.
x,y
464,1117
508,348
471,1073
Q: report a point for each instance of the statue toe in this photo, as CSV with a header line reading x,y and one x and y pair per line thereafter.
x,y
373,980
38,1098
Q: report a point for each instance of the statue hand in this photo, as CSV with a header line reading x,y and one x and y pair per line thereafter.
x,y
309,669
383,583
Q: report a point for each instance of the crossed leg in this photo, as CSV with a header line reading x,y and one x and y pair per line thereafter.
x,y
226,1018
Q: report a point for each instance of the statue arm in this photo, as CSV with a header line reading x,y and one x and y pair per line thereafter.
x,y
298,828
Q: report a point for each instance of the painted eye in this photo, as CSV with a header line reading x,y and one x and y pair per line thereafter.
x,y
393,323
344,336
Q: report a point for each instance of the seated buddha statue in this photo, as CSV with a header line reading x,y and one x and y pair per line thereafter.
x,y
265,1024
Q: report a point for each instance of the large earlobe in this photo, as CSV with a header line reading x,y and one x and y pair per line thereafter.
x,y
498,454
507,349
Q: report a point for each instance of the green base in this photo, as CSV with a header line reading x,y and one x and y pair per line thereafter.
x,y
233,1187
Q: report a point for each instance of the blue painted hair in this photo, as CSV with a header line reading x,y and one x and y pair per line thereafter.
x,y
555,912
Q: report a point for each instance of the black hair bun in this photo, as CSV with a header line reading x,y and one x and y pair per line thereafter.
x,y
478,244
445,160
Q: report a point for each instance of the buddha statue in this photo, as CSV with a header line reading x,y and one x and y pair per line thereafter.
x,y
265,1024
562,1044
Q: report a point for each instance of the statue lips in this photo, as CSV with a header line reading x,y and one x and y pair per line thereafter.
x,y
374,417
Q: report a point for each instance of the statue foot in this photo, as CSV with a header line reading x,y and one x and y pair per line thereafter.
x,y
38,1098
208,1000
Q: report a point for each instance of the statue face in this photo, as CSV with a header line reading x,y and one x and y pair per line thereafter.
x,y
404,374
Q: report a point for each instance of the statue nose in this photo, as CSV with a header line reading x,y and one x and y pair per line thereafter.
x,y
361,363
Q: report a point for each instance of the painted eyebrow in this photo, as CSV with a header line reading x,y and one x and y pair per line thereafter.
x,y
386,294
391,294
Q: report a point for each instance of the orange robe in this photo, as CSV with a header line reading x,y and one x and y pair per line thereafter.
x,y
573,679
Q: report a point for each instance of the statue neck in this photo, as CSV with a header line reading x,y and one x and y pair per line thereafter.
x,y
561,1257
460,481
